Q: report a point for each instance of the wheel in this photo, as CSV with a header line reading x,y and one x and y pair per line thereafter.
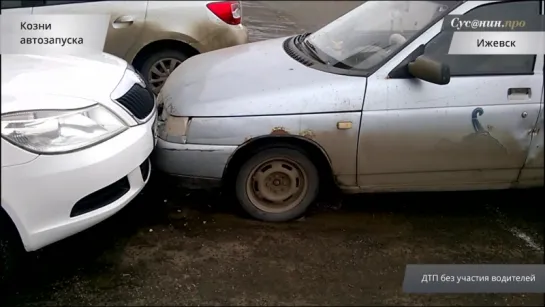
x,y
277,184
159,66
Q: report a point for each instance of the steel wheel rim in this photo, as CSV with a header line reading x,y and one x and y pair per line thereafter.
x,y
159,72
277,185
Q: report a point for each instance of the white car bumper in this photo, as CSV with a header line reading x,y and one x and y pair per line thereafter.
x,y
41,196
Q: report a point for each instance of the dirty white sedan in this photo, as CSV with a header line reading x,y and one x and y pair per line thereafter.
x,y
372,100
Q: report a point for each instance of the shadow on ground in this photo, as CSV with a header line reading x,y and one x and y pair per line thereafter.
x,y
175,247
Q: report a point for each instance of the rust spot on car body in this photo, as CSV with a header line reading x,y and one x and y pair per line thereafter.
x,y
309,134
279,131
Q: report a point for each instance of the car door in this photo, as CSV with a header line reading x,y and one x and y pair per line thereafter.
x,y
473,133
127,19
16,7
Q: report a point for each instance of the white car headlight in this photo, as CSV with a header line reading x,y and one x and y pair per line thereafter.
x,y
173,128
55,132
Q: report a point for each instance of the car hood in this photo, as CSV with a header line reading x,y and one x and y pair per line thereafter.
x,y
256,79
26,78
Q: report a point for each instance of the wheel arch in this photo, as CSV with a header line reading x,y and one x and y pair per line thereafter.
x,y
314,151
163,44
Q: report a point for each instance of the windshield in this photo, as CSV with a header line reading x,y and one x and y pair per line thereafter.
x,y
368,34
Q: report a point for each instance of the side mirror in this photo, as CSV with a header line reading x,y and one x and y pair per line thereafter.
x,y
429,70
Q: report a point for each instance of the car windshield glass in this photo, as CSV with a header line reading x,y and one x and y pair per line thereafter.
x,y
365,36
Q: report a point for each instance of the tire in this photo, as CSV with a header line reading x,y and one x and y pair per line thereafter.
x,y
152,60
278,159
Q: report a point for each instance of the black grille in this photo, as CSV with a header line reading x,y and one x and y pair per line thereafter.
x,y
144,169
139,101
101,198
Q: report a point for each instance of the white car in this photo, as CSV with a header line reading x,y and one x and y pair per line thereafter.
x,y
154,36
76,136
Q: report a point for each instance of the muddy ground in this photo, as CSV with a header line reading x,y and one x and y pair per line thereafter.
x,y
176,247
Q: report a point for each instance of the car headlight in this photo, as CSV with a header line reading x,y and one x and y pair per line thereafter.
x,y
173,128
54,132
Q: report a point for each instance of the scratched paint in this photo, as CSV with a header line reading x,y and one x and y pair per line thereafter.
x,y
535,155
480,141
482,138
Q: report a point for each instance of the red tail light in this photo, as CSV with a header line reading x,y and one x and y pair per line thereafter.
x,y
228,11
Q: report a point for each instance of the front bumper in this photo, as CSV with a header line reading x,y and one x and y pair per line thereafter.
x,y
40,196
201,166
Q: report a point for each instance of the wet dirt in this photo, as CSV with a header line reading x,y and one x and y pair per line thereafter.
x,y
312,15
264,22
176,247
273,19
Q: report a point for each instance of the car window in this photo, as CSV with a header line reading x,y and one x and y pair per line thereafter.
x,y
475,65
11,4
369,34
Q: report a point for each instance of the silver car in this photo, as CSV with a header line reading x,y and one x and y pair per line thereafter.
x,y
373,101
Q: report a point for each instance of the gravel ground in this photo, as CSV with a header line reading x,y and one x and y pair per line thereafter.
x,y
175,247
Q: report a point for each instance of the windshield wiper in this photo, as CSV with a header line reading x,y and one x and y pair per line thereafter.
x,y
312,50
